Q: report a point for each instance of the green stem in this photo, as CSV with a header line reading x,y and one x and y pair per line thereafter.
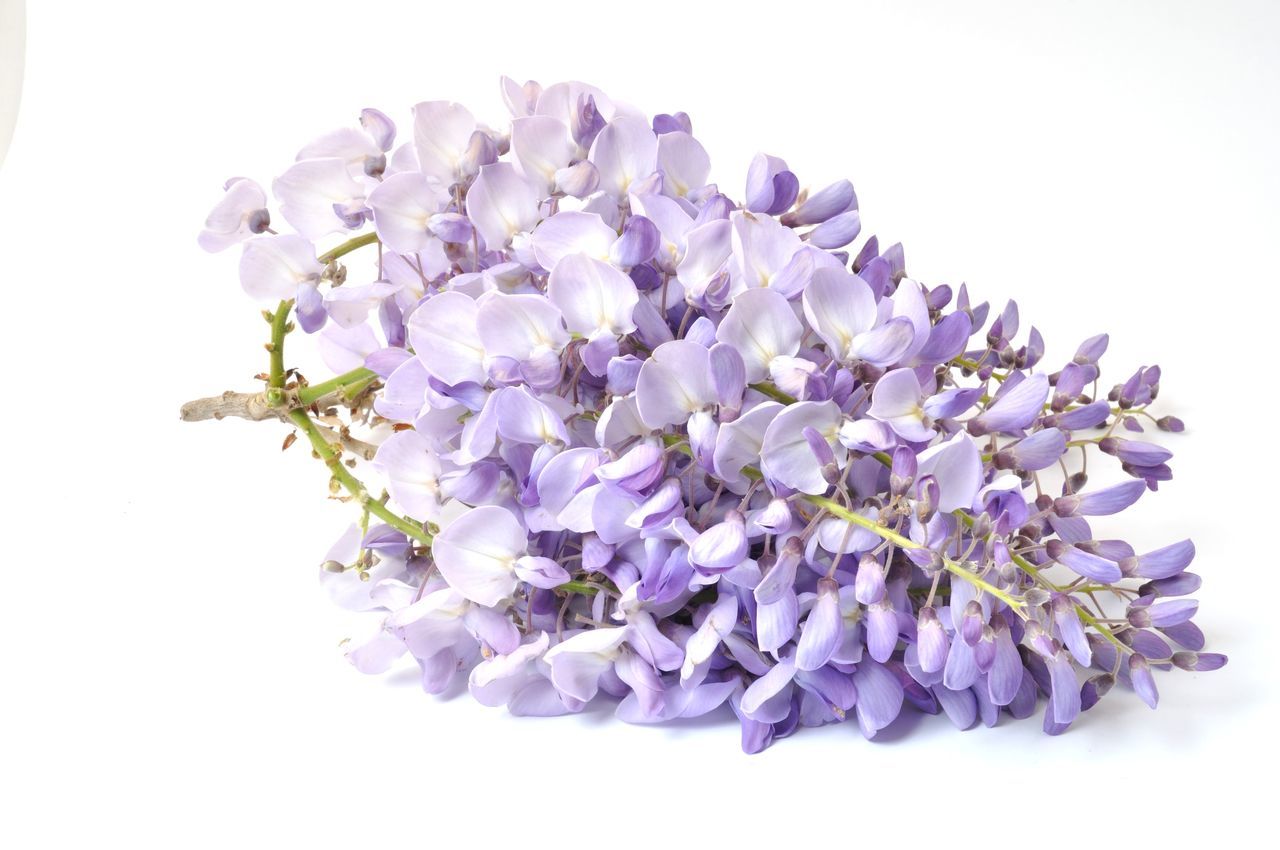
x,y
772,392
310,393
1082,612
356,381
578,587
275,374
1090,620
836,509
348,246
974,367
343,476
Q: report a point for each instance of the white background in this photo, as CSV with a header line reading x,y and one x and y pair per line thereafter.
x,y
170,672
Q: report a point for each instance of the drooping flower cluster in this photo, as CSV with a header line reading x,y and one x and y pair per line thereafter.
x,y
645,439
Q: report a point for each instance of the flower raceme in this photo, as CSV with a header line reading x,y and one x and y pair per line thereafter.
x,y
648,441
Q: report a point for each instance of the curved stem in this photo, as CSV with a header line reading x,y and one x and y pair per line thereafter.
x,y
350,483
766,388
308,394
836,509
347,247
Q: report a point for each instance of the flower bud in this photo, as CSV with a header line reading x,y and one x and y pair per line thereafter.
x,y
259,221
868,584
932,643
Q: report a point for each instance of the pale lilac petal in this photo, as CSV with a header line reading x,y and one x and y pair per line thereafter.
x,y
1014,409
441,134
961,669
644,682
738,443
880,697
1084,563
443,334
310,190
272,267
492,627
572,232
762,248
351,304
540,572
1040,450
961,707
728,375
579,180
722,546
785,453
377,654
896,400
771,188
823,204
346,348
867,435
1006,673
932,643
1070,629
762,326
768,686
1144,684
1104,502
239,215
520,327
1065,690
684,163
673,222
674,383
884,345
777,620
720,621
403,205
957,466
523,418
837,231
476,554
1167,561
593,296
578,663
624,152
542,146
707,249
412,470
501,203
882,630
839,307
821,634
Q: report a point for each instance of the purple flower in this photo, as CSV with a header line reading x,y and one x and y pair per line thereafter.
x,y
615,435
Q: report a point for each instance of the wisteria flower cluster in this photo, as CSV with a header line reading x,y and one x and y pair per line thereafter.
x,y
645,441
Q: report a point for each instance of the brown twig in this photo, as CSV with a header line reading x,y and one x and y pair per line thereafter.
x,y
254,407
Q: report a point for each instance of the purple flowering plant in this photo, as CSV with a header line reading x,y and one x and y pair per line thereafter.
x,y
636,439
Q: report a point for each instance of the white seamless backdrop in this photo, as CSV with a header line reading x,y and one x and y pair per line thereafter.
x,y
170,673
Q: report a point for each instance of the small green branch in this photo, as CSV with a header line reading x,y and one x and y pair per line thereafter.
x,y
333,459
1085,617
582,587
356,379
348,246
772,392
275,376
1089,620
836,509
